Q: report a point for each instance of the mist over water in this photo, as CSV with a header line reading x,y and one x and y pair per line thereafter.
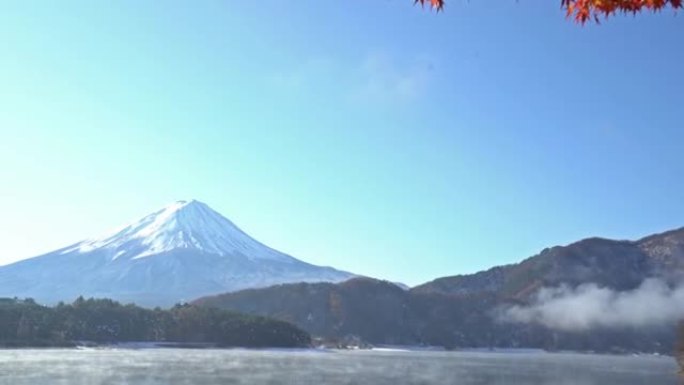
x,y
226,367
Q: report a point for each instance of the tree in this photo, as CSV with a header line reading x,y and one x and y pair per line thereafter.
x,y
585,10
25,323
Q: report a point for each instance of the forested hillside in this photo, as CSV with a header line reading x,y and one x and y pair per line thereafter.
x,y
26,323
378,312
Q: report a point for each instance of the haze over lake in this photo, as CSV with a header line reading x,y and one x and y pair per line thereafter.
x,y
223,367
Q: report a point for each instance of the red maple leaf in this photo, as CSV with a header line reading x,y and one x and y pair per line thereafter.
x,y
436,4
586,10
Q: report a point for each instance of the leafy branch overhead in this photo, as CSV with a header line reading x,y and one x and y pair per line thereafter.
x,y
584,10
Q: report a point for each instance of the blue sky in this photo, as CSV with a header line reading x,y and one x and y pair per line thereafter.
x,y
369,135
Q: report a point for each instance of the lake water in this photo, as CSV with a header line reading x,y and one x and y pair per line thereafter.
x,y
253,367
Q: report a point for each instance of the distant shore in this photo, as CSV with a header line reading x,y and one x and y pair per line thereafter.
x,y
11,345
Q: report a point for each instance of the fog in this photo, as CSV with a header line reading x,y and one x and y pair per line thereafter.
x,y
316,367
588,306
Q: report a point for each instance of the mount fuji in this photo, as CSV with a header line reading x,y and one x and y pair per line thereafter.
x,y
181,252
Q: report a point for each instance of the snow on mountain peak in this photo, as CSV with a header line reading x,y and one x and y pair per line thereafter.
x,y
185,250
181,225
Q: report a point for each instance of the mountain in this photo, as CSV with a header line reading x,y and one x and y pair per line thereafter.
x,y
178,253
471,310
618,265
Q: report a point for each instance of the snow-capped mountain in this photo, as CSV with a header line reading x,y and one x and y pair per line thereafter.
x,y
189,225
181,252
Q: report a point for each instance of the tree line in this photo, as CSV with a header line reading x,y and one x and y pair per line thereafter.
x,y
103,321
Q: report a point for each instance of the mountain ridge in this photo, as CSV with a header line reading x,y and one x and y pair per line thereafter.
x,y
654,254
471,310
183,251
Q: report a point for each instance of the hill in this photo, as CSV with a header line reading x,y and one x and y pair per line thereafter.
x,y
506,306
25,323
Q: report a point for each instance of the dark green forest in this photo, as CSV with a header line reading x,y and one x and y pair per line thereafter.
x,y
24,323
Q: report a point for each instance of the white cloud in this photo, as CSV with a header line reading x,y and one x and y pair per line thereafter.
x,y
374,78
588,306
386,79
309,73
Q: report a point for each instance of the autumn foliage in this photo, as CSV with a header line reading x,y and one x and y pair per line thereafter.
x,y
584,10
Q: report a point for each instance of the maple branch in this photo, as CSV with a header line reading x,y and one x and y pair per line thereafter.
x,y
586,10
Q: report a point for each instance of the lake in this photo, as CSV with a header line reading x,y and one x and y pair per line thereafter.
x,y
255,367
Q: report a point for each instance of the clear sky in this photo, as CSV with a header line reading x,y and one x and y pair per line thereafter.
x,y
369,135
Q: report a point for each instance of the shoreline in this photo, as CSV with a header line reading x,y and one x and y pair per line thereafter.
x,y
161,345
